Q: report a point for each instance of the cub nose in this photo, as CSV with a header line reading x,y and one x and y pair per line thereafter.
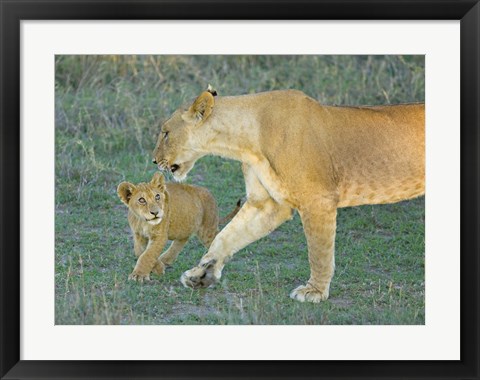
x,y
154,213
154,161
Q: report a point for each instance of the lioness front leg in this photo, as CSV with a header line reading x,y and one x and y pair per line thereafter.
x,y
148,260
254,220
319,223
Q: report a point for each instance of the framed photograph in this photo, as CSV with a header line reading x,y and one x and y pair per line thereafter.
x,y
239,190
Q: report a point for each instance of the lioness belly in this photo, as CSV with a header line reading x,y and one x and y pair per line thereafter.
x,y
383,159
369,193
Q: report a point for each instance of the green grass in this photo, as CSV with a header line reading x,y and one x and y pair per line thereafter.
x,y
108,112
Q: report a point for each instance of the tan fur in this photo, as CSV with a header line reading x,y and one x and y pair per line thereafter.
x,y
182,210
297,154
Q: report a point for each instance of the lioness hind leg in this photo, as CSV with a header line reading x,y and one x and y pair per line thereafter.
x,y
320,227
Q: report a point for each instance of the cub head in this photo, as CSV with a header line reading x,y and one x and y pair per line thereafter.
x,y
181,136
146,200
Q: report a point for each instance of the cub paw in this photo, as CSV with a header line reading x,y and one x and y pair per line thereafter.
x,y
139,276
159,268
308,293
201,276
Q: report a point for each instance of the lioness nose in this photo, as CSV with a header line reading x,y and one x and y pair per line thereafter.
x,y
154,161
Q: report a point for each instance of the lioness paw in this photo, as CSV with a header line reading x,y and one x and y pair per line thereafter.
x,y
308,293
201,276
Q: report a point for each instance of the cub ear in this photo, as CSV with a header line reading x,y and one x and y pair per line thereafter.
x,y
158,180
201,108
125,191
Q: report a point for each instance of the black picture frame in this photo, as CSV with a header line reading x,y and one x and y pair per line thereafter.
x,y
14,11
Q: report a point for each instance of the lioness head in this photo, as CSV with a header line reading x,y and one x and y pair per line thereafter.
x,y
176,145
145,200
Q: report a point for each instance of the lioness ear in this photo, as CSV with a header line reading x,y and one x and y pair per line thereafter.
x,y
201,108
125,191
158,180
211,90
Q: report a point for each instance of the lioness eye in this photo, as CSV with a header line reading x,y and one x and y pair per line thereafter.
x,y
142,200
157,197
165,135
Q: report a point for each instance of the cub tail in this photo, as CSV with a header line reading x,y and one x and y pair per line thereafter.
x,y
234,212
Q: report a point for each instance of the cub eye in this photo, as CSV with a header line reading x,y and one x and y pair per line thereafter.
x,y
157,197
142,201
165,135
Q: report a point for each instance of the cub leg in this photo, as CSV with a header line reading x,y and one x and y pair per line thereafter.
x,y
139,244
208,228
148,259
207,234
320,227
254,220
171,254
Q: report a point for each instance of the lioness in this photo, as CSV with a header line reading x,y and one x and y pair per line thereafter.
x,y
296,154
158,212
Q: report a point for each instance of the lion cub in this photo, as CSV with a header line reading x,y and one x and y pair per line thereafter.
x,y
158,212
